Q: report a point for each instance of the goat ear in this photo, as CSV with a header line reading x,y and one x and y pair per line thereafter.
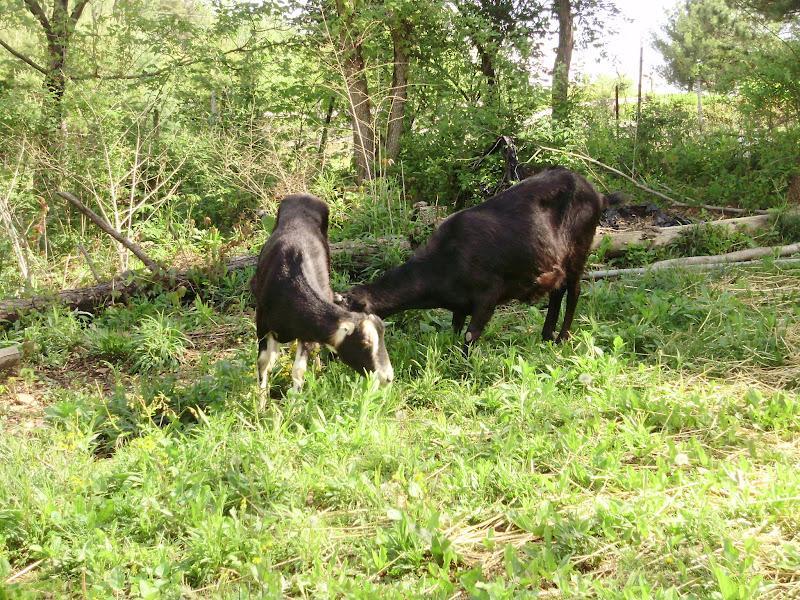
x,y
345,328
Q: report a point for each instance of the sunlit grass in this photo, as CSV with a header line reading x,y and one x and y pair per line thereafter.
x,y
655,455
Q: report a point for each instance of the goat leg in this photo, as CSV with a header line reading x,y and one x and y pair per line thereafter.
x,y
573,292
268,349
553,310
300,364
459,318
317,359
477,322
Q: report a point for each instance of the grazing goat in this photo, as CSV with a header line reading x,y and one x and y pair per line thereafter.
x,y
530,240
294,299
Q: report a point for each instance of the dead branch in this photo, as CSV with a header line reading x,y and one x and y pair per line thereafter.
x,y
89,262
103,224
611,273
739,256
28,61
649,190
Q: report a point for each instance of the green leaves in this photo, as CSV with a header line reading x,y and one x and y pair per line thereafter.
x,y
702,39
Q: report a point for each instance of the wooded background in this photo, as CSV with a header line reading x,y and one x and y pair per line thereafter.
x,y
181,122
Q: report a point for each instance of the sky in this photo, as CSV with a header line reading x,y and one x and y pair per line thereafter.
x,y
639,19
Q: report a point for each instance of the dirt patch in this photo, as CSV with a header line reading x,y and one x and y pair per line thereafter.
x,y
22,404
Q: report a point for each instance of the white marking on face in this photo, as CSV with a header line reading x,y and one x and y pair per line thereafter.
x,y
370,329
371,335
345,329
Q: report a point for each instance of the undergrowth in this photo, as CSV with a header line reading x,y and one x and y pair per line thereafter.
x,y
652,456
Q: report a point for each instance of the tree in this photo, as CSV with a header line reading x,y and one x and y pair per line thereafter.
x,y
701,39
497,25
591,17
778,9
400,28
566,42
354,70
58,29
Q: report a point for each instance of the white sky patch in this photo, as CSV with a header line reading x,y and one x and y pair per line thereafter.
x,y
638,21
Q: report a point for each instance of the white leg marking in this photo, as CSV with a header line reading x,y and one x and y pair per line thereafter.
x,y
317,362
266,361
300,365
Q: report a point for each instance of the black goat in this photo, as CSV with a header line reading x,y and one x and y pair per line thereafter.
x,y
294,299
527,241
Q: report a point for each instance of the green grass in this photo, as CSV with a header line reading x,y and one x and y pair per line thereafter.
x,y
654,456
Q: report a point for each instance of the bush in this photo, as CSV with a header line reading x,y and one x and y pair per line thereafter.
x,y
160,344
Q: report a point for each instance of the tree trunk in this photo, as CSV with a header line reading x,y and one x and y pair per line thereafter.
x,y
698,88
487,67
323,141
57,29
360,103
400,31
361,113
566,43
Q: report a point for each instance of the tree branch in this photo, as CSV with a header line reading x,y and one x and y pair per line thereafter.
x,y
37,12
158,72
672,201
24,58
103,224
78,11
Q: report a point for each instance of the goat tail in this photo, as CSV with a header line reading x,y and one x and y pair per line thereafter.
x,y
613,199
551,280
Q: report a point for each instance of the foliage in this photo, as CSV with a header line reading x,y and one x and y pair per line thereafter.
x,y
635,461
701,40
186,144
159,344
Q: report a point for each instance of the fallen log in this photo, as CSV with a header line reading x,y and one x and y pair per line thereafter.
x,y
350,253
618,241
740,257
611,273
730,257
355,253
